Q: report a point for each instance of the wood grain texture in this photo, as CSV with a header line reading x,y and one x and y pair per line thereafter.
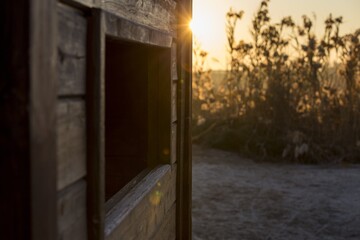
x,y
167,230
174,66
71,210
143,210
71,142
159,14
126,30
72,27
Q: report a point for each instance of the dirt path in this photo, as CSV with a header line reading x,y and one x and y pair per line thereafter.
x,y
235,198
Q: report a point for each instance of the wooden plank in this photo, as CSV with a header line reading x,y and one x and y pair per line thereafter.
x,y
81,3
173,143
167,230
95,109
71,210
174,65
71,51
130,31
142,211
184,188
159,14
110,204
180,201
126,30
160,39
42,110
174,90
71,143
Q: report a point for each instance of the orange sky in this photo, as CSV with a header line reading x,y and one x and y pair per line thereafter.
x,y
209,18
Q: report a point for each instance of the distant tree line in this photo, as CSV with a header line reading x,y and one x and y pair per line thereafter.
x,y
288,95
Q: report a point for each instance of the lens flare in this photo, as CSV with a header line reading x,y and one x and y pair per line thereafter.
x,y
191,25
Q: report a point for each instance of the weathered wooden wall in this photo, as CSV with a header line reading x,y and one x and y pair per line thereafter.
x,y
157,14
52,120
71,123
149,210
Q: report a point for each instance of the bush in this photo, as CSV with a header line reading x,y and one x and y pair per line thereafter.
x,y
284,97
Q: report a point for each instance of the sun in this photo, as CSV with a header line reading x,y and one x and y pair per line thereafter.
x,y
191,25
194,26
200,27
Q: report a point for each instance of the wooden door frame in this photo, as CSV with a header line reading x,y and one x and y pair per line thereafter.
x,y
95,102
184,176
29,119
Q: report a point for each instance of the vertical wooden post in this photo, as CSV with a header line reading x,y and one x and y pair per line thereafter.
x,y
95,101
184,229
28,120
42,111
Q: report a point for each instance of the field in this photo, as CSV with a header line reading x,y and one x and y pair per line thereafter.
x,y
236,198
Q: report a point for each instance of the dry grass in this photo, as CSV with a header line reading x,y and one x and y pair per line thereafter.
x,y
235,198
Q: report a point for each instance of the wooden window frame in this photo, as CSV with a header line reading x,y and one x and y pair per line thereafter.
x,y
102,25
157,84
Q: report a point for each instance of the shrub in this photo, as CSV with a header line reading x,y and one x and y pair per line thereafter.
x,y
284,96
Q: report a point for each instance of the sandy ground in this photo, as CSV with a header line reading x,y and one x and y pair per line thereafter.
x,y
235,198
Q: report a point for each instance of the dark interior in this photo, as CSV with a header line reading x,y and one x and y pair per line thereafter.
x,y
126,113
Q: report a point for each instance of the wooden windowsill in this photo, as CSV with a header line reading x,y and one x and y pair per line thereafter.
x,y
110,204
120,206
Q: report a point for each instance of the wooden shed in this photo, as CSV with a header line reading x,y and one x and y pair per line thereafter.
x,y
95,110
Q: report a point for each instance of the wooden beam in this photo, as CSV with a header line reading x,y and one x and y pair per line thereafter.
x,y
95,100
71,141
42,118
82,4
127,30
28,110
72,51
184,188
160,13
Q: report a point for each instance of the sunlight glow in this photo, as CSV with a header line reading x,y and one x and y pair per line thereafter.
x,y
201,27
191,25
208,24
